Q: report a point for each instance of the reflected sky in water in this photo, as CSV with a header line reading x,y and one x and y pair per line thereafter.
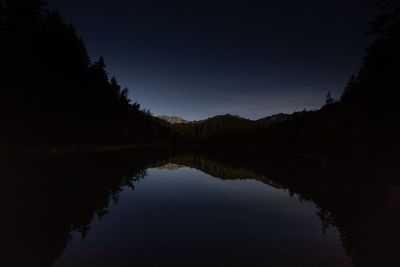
x,y
184,217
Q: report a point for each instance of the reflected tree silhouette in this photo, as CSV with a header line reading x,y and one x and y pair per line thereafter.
x,y
356,200
47,198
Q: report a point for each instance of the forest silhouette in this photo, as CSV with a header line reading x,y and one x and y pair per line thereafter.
x,y
52,95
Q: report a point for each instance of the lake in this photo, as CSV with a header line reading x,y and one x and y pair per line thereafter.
x,y
180,209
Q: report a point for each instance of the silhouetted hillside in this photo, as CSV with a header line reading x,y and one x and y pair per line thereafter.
x,y
361,126
209,131
52,94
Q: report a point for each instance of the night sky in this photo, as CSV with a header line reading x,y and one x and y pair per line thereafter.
x,y
202,58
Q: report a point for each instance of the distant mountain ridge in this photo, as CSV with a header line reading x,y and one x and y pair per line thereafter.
x,y
274,119
172,119
222,118
224,129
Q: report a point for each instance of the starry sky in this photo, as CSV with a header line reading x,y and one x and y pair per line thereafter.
x,y
197,59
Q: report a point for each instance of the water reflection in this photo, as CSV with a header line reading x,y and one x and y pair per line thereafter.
x,y
183,217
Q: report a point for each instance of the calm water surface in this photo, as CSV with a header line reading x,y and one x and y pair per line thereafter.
x,y
184,217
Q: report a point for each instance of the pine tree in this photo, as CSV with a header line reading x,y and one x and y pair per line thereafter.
x,y
329,100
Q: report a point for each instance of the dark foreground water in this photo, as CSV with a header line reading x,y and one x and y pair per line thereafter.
x,y
187,218
164,208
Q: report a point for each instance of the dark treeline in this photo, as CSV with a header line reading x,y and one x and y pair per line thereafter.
x,y
50,91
